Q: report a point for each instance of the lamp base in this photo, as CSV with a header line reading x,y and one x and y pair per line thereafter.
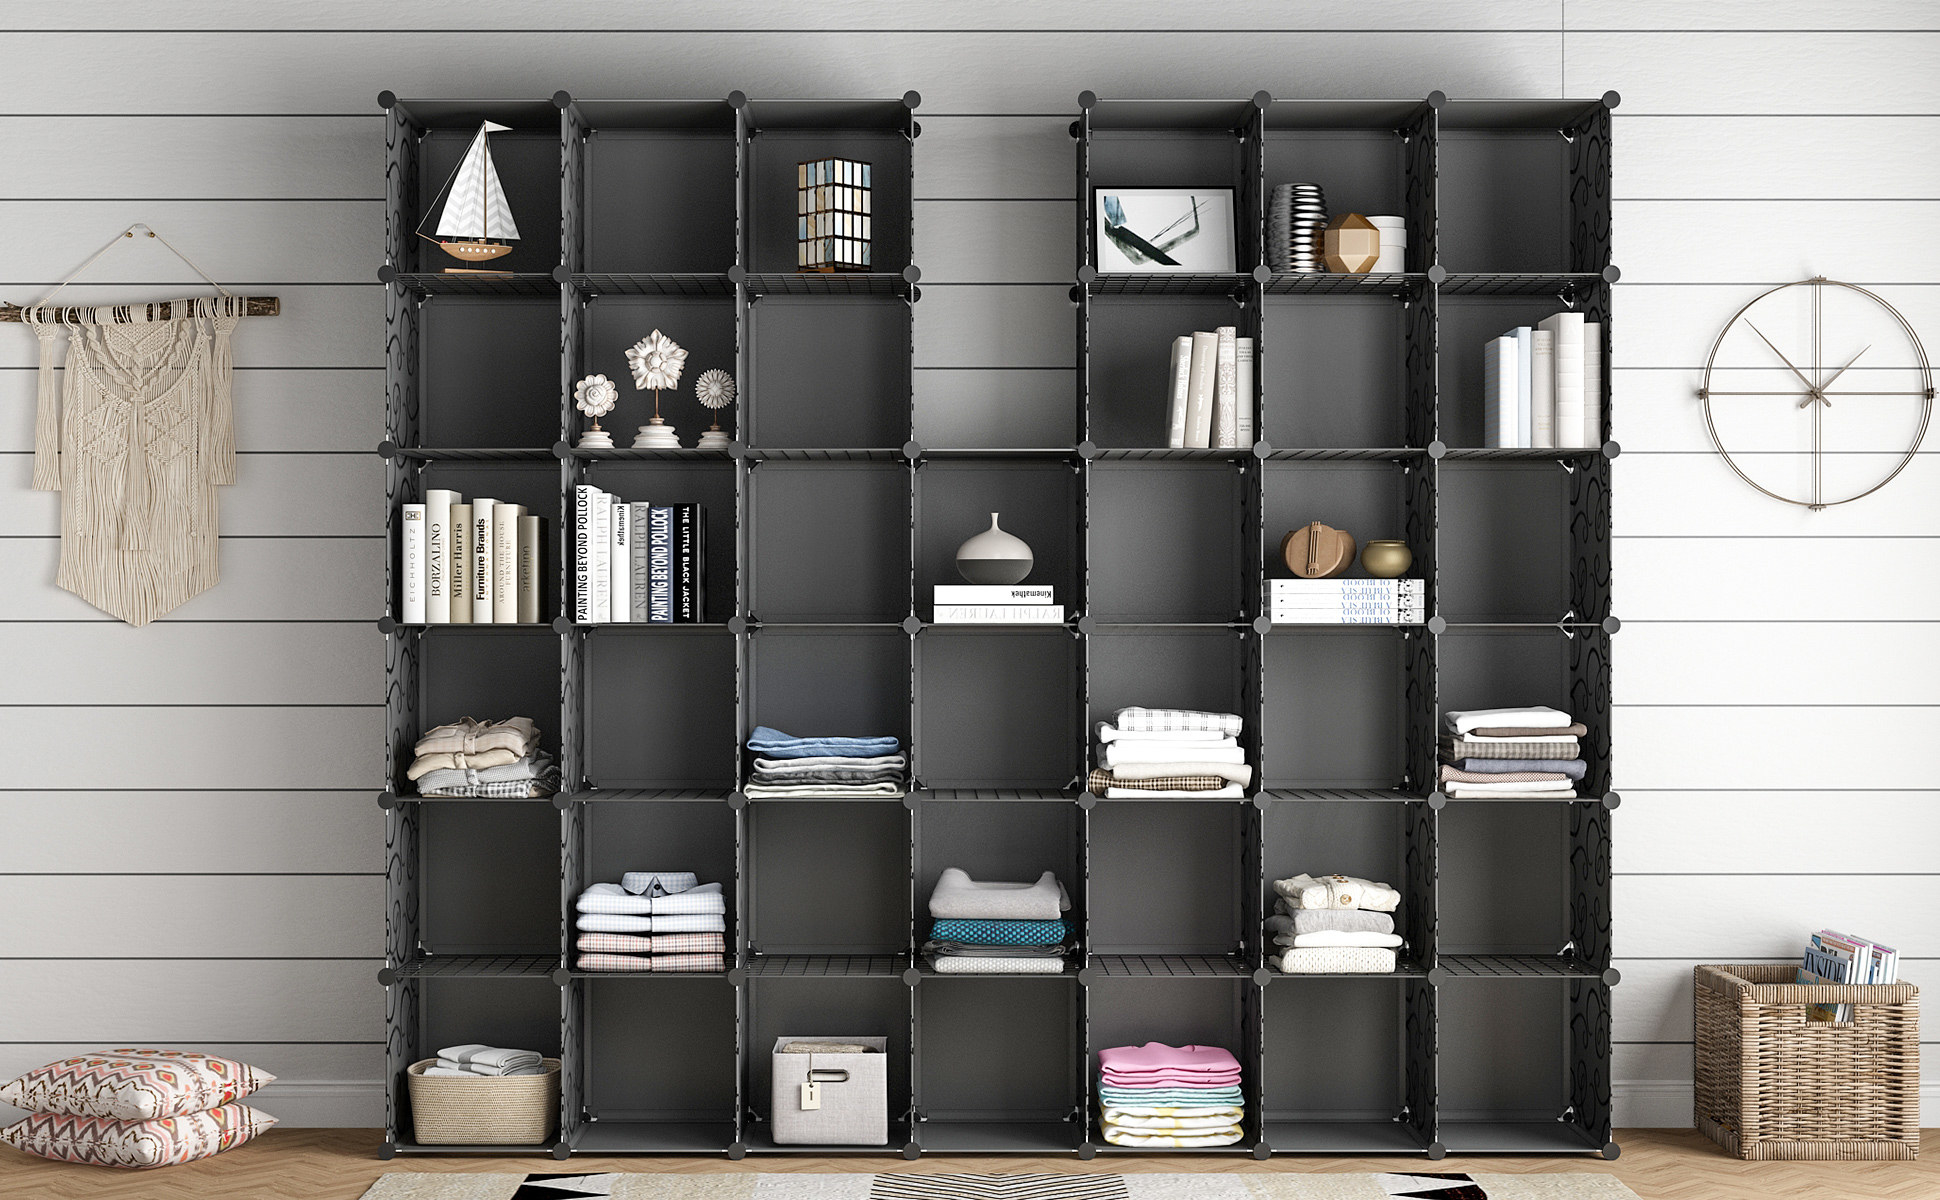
x,y
713,439
656,435
596,439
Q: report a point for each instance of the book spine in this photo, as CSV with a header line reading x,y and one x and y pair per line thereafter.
x,y
641,518
700,562
686,563
583,553
532,532
1175,413
1225,426
1000,614
482,561
1566,349
1525,343
1248,396
1494,390
660,565
1199,390
505,563
602,551
411,566
622,577
461,564
1542,389
437,555
1592,383
967,593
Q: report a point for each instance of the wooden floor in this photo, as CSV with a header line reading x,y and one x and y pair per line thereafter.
x,y
338,1164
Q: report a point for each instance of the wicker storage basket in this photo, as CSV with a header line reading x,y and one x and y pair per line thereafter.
x,y
516,1110
1771,1084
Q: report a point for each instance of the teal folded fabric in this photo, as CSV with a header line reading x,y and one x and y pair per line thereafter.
x,y
1001,933
1120,1097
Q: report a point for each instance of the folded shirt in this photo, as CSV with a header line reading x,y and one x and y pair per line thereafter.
x,y
825,775
1173,720
773,743
1337,937
1172,1117
1451,774
949,964
1535,717
1334,960
534,769
459,761
959,896
1238,773
1176,1078
1316,920
1105,731
976,950
659,963
1522,783
1184,1097
1462,791
659,923
1001,933
774,791
1337,891
1179,745
613,898
1119,754
477,1055
658,883
1515,731
517,734
1544,748
875,762
1182,1139
1101,781
656,943
1574,768
1157,1056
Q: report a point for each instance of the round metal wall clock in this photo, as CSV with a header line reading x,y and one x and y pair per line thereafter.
x,y
1817,393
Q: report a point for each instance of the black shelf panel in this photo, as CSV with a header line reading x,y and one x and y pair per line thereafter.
x,y
1340,1138
826,966
1169,966
684,795
717,285
482,966
632,454
1348,454
999,453
998,1137
1518,454
1515,1137
759,1138
1171,454
1513,283
1327,283
863,454
1516,966
428,283
815,283
1339,795
928,795
481,454
654,1137
1130,284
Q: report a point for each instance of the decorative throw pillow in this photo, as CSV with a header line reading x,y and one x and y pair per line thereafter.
x,y
133,1085
138,1144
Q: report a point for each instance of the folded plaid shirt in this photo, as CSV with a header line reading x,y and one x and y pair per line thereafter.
x,y
658,943
599,899
1465,748
508,789
1102,779
1141,719
656,962
627,923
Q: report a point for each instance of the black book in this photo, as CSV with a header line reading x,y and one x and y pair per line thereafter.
x,y
690,525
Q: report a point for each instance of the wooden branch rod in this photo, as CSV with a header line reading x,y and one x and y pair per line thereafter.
x,y
254,306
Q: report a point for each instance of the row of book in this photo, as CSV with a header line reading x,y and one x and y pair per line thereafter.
x,y
469,564
1346,601
997,604
1542,386
637,562
1211,401
1834,957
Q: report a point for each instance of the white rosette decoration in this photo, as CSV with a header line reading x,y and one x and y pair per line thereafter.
x,y
656,360
715,390
595,395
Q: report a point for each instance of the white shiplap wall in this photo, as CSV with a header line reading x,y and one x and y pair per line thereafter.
x,y
190,852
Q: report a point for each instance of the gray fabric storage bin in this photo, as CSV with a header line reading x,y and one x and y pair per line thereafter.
x,y
854,1112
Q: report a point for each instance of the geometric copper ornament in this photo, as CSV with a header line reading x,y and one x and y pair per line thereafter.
x,y
1351,244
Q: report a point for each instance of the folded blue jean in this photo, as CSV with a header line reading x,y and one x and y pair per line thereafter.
x,y
776,744
1001,933
1575,768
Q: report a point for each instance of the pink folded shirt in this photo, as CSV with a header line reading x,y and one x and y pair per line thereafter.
x,y
1157,1056
1172,1079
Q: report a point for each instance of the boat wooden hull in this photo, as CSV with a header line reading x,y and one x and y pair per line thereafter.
x,y
470,251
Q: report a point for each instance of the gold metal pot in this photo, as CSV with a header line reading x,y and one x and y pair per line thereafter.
x,y
1386,559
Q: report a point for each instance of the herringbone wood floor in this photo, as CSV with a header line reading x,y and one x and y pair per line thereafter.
x,y
338,1164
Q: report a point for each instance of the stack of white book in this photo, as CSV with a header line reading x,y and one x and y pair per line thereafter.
x,y
1542,386
1346,601
469,564
1211,401
1013,604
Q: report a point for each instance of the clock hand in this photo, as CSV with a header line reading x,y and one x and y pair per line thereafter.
x,y
1782,358
1842,371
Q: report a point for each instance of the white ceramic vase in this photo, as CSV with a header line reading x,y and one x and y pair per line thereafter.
x,y
994,557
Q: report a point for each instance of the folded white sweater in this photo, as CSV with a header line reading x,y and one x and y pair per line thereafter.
x,y
1107,732
1338,891
959,897
1116,754
1336,937
1537,717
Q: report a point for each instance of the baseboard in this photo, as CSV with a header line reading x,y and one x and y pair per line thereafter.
x,y
1666,1103
324,1103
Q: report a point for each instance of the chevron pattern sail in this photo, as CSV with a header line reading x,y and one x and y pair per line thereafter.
x,y
475,207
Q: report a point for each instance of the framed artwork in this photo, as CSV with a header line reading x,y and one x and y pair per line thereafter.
x,y
1179,231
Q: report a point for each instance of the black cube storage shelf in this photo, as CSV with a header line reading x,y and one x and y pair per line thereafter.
x,y
829,524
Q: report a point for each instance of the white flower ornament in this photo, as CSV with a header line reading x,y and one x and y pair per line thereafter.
x,y
714,389
656,360
596,395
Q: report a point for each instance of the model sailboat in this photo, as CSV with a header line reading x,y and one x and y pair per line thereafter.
x,y
476,224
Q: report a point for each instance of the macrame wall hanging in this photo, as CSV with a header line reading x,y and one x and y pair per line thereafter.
x,y
134,431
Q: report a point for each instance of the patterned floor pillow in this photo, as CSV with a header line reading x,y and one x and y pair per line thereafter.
x,y
133,1085
138,1144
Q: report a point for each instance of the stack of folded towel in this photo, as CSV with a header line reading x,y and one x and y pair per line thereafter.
x,y
653,921
998,928
1147,752
490,1062
1170,1096
487,759
1334,924
1511,754
836,767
